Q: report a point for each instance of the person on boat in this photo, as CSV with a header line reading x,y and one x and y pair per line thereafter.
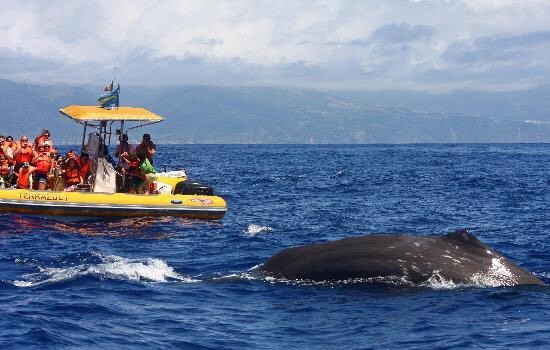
x,y
43,162
71,154
141,149
23,153
18,145
71,175
147,169
55,177
5,150
10,147
10,142
133,178
2,141
5,171
123,147
23,178
49,148
122,152
42,138
84,164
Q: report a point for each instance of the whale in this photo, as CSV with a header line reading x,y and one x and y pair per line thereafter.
x,y
456,257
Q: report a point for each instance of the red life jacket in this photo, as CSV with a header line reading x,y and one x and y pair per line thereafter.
x,y
23,179
25,155
133,168
72,176
42,163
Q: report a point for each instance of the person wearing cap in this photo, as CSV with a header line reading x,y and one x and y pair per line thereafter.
x,y
23,179
43,163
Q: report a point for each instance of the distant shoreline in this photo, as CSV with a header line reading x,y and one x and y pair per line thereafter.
x,y
337,144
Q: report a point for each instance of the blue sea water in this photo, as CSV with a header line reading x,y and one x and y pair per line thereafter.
x,y
184,284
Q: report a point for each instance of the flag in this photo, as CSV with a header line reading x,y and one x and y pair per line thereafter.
x,y
109,98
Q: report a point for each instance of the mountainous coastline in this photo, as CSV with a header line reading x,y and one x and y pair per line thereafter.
x,y
211,114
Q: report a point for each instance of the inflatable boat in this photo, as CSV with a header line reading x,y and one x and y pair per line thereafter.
x,y
96,204
101,195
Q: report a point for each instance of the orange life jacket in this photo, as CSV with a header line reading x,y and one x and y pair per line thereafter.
x,y
42,163
25,155
23,179
72,176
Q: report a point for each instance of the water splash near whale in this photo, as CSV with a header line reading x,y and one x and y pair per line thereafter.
x,y
102,266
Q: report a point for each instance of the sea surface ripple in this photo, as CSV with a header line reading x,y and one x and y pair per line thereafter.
x,y
175,283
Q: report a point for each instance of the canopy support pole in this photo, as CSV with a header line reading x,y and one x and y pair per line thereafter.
x,y
83,137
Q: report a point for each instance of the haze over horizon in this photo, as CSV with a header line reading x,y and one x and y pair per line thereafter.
x,y
419,45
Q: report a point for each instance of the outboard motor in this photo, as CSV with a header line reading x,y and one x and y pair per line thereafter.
x,y
193,187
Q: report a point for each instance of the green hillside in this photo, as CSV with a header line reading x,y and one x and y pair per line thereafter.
x,y
208,114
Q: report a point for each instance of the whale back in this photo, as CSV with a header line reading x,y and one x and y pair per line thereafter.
x,y
493,265
464,237
457,256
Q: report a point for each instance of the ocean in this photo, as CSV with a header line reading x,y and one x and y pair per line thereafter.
x,y
174,283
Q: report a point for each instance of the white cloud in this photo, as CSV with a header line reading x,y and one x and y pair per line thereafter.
x,y
339,44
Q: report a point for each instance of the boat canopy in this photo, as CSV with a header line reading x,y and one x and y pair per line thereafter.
x,y
83,114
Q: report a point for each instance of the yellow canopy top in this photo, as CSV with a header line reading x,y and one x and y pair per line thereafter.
x,y
96,113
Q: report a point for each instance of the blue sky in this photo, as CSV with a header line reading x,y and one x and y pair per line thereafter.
x,y
426,45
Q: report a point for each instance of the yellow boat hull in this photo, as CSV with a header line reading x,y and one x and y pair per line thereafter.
x,y
91,204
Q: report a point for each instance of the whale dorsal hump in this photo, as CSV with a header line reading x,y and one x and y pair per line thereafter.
x,y
464,237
